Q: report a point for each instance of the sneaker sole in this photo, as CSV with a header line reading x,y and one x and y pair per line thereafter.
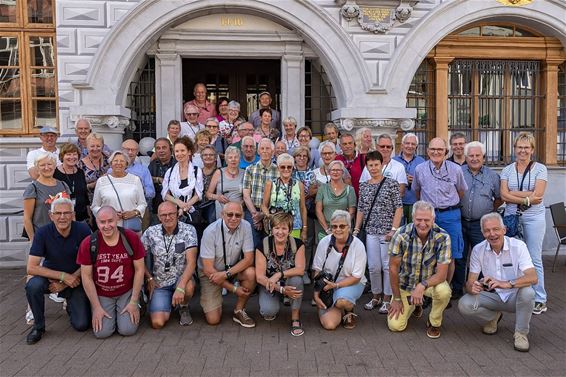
x,y
537,312
242,324
186,324
432,336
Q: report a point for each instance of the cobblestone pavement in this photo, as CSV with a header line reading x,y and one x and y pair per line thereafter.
x,y
270,350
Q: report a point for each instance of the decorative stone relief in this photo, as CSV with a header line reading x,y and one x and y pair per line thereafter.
x,y
403,12
348,124
350,11
111,121
376,19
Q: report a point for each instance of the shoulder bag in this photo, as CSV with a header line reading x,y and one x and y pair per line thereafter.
x,y
512,221
134,223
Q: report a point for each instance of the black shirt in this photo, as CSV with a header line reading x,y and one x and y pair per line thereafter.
x,y
79,191
158,169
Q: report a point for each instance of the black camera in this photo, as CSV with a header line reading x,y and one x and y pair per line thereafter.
x,y
325,296
274,210
319,282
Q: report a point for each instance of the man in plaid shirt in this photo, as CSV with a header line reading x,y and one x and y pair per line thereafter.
x,y
418,266
254,182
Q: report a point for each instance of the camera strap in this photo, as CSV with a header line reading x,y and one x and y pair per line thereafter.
x,y
342,258
373,201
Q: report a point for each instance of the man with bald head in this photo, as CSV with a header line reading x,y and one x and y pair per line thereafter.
x,y
82,130
442,184
112,270
227,257
191,125
204,108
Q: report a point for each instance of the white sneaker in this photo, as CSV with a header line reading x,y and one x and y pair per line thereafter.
x,y
29,317
384,307
55,297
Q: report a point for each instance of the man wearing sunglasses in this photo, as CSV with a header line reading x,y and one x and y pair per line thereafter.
x,y
53,268
227,261
191,125
172,254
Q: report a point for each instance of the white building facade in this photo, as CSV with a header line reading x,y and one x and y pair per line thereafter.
x,y
361,55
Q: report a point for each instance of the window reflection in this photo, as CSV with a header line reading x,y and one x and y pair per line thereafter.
x,y
8,11
40,11
41,51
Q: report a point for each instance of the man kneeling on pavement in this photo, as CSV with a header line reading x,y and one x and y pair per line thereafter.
x,y
506,286
57,244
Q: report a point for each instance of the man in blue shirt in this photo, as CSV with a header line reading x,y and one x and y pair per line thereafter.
x,y
249,155
57,243
409,158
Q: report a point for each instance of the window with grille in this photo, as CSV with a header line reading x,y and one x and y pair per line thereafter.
x,y
421,97
319,97
28,75
141,102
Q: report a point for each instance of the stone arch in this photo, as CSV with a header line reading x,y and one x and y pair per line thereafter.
x,y
127,42
543,16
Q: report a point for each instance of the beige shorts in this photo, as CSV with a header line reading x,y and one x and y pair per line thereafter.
x,y
210,294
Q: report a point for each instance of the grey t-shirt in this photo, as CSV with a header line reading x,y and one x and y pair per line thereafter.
x,y
236,242
42,195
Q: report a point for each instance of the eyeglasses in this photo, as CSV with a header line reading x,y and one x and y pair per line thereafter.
x,y
436,150
339,226
233,214
59,214
327,153
523,148
247,129
301,156
248,146
211,126
386,146
336,170
191,113
208,155
169,214
303,137
285,167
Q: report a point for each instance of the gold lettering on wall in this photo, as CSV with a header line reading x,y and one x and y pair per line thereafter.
x,y
226,21
375,14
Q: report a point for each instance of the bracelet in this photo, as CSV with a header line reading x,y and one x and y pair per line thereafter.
x,y
133,302
62,277
337,285
524,201
397,299
528,202
281,290
234,290
149,279
180,290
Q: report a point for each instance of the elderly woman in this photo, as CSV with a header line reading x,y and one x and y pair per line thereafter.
x,y
206,206
332,196
222,109
226,183
39,194
290,137
379,211
279,267
339,265
74,177
328,152
284,194
228,125
95,164
364,141
82,130
332,134
122,191
173,130
264,130
216,139
183,183
522,187
304,135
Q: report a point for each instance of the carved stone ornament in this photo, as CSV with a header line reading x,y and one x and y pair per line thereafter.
x,y
515,3
348,124
376,19
112,121
350,11
403,12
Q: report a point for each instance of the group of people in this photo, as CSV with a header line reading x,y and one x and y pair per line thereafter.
x,y
237,207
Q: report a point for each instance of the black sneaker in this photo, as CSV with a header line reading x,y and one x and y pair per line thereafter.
x,y
34,336
540,307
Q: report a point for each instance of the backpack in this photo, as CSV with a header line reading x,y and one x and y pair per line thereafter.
x,y
266,249
94,245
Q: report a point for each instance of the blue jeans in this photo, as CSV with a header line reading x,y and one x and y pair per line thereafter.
x,y
471,231
256,234
161,299
534,228
450,221
78,305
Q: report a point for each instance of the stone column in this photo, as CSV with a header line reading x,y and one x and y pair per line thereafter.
x,y
549,118
168,90
441,96
293,86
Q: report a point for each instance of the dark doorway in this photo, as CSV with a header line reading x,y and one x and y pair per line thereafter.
x,y
240,80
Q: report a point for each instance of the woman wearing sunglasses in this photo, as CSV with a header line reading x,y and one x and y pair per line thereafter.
x,y
339,266
284,194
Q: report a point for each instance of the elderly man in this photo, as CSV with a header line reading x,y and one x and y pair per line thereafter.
x,y
508,276
353,161
418,265
254,182
191,125
53,268
390,168
82,130
249,155
457,143
158,167
482,198
48,136
112,270
289,135
172,252
227,261
244,129
442,184
410,160
203,106
265,103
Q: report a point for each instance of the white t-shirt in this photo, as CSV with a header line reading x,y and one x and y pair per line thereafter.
x,y
30,158
129,188
354,264
189,130
510,264
394,170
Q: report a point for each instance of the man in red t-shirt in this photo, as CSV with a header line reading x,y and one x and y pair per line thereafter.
x,y
114,283
354,162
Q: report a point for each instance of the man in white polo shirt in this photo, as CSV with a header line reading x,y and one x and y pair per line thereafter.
x,y
48,136
506,286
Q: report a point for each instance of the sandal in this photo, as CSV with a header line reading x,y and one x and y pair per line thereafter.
x,y
296,330
349,320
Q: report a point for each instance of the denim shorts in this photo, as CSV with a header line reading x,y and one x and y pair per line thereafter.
x,y
161,299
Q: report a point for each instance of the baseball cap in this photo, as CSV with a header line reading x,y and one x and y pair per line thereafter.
x,y
48,130
262,93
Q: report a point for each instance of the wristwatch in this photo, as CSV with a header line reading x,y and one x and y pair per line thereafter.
x,y
512,282
424,283
228,275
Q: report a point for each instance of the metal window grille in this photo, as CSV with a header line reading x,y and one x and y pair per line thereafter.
x,y
421,97
561,124
141,101
492,101
319,96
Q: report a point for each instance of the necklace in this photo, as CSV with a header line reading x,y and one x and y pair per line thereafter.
x,y
97,169
230,174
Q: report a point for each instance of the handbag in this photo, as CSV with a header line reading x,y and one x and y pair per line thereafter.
x,y
134,223
512,222
362,235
